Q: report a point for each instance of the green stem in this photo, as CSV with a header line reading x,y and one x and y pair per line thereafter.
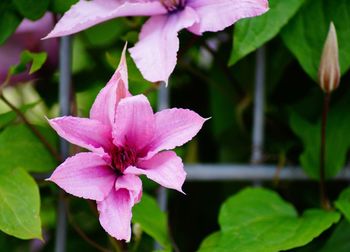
x,y
323,192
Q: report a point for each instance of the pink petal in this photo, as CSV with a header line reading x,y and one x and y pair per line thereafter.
x,y
155,53
165,168
132,183
216,15
174,127
134,125
104,107
115,214
85,175
85,14
87,133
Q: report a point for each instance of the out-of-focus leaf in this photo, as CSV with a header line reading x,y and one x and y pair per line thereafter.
x,y
106,33
250,34
20,203
37,60
210,243
306,33
9,20
61,6
337,144
19,147
31,9
343,203
152,220
257,219
8,117
339,240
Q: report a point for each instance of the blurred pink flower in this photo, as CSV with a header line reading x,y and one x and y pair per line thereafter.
x,y
155,53
28,37
126,140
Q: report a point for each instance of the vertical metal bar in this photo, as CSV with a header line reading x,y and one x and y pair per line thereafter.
x,y
258,117
64,102
163,103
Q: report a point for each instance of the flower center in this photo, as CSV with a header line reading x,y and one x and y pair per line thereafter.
x,y
173,5
122,158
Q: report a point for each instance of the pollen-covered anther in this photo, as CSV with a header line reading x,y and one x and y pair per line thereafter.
x,y
329,69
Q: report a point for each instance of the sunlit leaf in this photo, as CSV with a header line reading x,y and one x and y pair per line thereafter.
x,y
20,204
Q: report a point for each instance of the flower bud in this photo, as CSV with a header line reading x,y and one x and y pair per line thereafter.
x,y
329,70
137,231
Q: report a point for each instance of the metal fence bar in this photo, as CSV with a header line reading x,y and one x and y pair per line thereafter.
x,y
258,113
243,172
163,103
64,102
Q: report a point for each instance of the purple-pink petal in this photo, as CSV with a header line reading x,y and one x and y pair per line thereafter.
x,y
155,53
132,183
134,125
85,175
174,127
105,105
115,214
87,133
216,15
85,14
165,168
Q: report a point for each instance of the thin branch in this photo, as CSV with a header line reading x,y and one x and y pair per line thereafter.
x,y
37,133
81,233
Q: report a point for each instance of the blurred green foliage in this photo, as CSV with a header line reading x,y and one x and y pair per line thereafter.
x,y
293,33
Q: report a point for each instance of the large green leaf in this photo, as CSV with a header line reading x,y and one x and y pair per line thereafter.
x,y
337,140
306,33
32,9
19,147
9,20
20,204
259,220
343,203
250,34
152,220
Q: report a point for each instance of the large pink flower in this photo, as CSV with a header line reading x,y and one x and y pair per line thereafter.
x,y
155,53
126,139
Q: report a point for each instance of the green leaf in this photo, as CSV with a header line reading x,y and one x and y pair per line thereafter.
x,y
343,203
250,34
339,240
19,147
31,9
37,59
306,33
20,204
9,20
257,220
61,6
337,145
106,33
210,243
152,220
8,117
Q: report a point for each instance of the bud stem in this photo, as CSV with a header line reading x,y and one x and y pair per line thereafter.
x,y
323,192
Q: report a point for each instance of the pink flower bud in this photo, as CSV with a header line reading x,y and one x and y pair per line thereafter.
x,y
329,70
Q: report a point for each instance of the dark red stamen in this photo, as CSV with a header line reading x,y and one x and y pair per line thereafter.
x,y
122,158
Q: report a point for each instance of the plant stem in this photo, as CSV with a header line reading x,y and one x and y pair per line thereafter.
x,y
323,192
37,133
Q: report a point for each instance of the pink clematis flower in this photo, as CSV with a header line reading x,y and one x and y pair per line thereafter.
x,y
126,139
155,53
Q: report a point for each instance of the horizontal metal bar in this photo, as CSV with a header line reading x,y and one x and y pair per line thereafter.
x,y
243,172
238,172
